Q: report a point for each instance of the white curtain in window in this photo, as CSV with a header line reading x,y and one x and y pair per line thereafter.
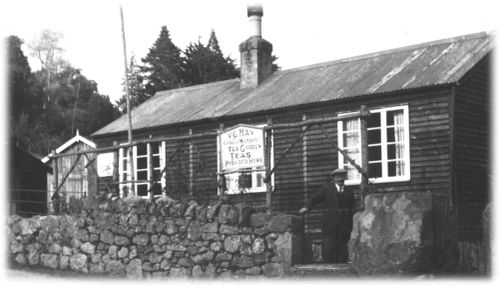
x,y
399,138
351,145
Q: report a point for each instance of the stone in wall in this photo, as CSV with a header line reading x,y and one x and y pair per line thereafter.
x,y
393,235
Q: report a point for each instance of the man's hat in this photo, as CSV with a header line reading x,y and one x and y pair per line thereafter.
x,y
339,171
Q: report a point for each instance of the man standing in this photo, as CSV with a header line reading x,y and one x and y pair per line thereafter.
x,y
337,223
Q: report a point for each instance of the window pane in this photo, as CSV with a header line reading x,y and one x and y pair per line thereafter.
x,y
375,169
390,135
124,176
350,125
352,173
142,175
125,164
156,161
142,163
374,120
396,168
395,117
156,174
374,136
142,189
142,149
395,151
351,139
155,148
260,180
374,153
124,152
245,180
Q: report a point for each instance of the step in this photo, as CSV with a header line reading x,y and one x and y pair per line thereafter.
x,y
322,270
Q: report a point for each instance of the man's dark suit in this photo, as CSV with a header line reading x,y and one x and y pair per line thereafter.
x,y
337,223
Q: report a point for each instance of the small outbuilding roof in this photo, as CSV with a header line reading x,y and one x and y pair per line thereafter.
x,y
427,64
76,139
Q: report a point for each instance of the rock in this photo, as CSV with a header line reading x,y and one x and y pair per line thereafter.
x,y
185,262
115,267
194,230
113,251
284,222
67,251
223,257
121,240
210,227
258,246
133,220
197,271
88,248
49,260
393,235
216,246
245,262
141,239
228,229
212,212
244,212
64,262
210,271
253,271
123,252
179,273
33,257
96,258
228,215
16,247
78,262
107,237
170,227
155,258
258,220
273,269
82,235
232,243
97,268
20,259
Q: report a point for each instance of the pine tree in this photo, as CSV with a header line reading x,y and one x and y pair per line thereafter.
x,y
163,62
136,88
206,63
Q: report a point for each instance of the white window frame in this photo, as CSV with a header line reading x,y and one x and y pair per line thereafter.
x,y
254,170
161,151
383,126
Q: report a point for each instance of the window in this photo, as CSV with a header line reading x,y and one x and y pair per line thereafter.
x,y
141,166
249,180
388,145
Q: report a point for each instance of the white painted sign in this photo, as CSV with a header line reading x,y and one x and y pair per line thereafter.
x,y
242,147
105,164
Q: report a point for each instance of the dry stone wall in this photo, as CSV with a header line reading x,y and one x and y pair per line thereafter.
x,y
136,238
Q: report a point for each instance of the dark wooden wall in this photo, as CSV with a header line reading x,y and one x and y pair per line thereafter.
x,y
472,148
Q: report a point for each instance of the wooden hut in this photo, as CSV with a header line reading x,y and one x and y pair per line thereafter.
x,y
76,174
28,183
429,128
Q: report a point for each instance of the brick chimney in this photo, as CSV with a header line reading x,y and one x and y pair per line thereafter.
x,y
255,52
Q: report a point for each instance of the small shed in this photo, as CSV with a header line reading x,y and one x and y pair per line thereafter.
x,y
77,176
28,183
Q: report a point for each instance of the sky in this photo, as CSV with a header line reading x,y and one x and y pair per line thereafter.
x,y
302,32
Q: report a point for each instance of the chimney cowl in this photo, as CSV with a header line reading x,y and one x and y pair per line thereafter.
x,y
255,10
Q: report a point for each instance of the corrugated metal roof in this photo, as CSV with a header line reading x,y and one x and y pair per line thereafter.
x,y
428,64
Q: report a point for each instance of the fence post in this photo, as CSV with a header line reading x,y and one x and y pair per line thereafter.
x,y
116,174
56,202
364,154
267,162
150,172
220,177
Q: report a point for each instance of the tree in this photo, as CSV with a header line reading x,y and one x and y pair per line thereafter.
x,y
21,82
47,49
162,70
136,88
205,64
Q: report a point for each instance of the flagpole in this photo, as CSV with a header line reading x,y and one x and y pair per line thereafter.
x,y
129,116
